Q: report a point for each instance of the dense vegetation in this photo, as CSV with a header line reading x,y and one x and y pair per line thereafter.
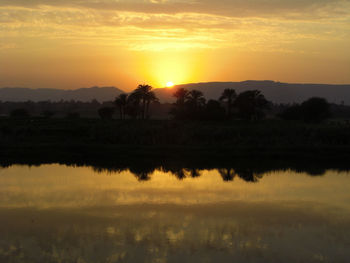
x,y
142,103
241,149
172,138
230,127
247,169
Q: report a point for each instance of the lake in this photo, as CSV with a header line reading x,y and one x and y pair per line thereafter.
x,y
59,213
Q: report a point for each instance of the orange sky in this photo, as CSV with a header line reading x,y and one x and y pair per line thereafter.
x,y
72,44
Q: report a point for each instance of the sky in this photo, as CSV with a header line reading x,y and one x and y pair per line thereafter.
x,y
70,44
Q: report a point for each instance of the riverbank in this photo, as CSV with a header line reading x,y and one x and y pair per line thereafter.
x,y
97,140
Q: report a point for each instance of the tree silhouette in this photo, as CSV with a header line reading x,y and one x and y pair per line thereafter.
x,y
195,103
249,175
179,109
196,99
250,105
315,109
179,173
142,173
133,105
192,105
150,98
181,96
121,102
194,172
146,96
214,111
228,96
312,110
227,174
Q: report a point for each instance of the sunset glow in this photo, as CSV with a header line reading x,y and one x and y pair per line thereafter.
x,y
73,44
169,84
145,131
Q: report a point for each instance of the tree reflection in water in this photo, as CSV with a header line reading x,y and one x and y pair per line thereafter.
x,y
251,175
66,214
247,171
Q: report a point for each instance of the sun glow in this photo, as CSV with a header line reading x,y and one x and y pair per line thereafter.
x,y
169,84
165,69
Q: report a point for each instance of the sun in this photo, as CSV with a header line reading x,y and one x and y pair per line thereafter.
x,y
169,84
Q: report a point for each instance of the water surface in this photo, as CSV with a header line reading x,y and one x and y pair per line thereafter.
x,y
56,213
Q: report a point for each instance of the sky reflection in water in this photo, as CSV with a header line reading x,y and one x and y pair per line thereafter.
x,y
55,213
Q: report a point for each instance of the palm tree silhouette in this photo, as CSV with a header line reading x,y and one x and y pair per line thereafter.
x,y
251,104
147,96
150,98
133,105
142,173
228,96
227,174
181,96
179,109
180,174
121,102
196,99
249,175
195,173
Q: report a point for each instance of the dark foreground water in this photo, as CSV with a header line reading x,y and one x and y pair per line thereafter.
x,y
55,213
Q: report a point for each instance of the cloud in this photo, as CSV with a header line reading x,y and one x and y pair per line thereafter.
x,y
167,24
231,8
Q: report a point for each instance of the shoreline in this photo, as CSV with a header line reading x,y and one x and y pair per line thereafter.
x,y
161,142
111,156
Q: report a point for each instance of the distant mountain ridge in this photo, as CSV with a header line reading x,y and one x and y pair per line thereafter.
x,y
84,94
277,92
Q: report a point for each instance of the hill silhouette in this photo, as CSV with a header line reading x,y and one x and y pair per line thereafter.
x,y
274,91
84,94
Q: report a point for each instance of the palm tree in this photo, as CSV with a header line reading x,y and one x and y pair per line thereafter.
x,y
179,109
180,174
250,104
195,104
142,173
228,96
227,174
150,98
181,96
121,102
196,99
249,175
133,107
195,173
147,96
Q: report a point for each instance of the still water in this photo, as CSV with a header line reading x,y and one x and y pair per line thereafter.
x,y
56,213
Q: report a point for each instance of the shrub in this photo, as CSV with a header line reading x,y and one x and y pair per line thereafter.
x,y
315,110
